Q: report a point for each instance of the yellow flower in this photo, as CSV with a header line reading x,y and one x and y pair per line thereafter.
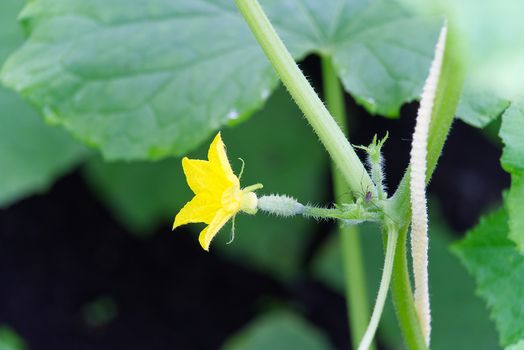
x,y
218,196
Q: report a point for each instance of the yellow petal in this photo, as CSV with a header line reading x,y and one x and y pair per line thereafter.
x,y
207,234
201,177
218,158
202,208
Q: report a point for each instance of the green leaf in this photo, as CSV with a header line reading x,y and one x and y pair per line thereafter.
x,y
382,54
32,154
145,194
478,108
9,340
512,133
460,320
145,80
498,268
380,50
278,331
515,207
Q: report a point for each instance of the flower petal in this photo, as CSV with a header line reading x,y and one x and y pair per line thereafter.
x,y
202,208
201,177
207,234
218,158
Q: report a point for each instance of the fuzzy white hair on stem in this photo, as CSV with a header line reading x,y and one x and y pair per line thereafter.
x,y
419,220
280,205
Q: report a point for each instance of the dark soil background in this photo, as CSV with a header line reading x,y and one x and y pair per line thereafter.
x,y
63,250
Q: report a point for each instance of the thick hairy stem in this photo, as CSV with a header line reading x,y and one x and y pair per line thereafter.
x,y
382,291
419,221
305,97
398,207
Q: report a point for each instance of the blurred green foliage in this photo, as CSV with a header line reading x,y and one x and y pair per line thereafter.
x,y
278,331
9,340
491,42
100,312
141,195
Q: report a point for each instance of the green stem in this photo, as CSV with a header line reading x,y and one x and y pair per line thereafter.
x,y
305,97
354,274
352,213
391,237
446,100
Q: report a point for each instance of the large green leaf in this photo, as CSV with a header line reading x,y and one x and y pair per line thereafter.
x,y
512,133
382,55
460,321
498,267
32,154
147,79
279,150
278,331
140,79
